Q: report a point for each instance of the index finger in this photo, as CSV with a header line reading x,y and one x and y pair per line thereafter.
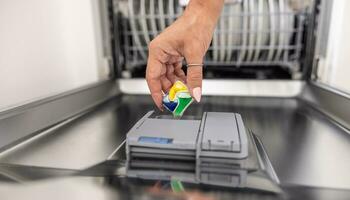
x,y
153,75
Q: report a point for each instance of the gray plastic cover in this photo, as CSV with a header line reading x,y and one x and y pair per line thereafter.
x,y
221,132
164,133
223,135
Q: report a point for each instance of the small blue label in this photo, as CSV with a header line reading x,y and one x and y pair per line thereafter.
x,y
156,140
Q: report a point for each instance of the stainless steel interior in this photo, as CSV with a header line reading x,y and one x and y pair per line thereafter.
x,y
72,144
294,134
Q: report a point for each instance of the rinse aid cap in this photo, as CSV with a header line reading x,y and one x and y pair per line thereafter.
x,y
178,99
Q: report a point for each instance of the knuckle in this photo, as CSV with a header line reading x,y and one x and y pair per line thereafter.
x,y
162,57
170,70
197,74
148,78
152,45
155,50
194,78
152,73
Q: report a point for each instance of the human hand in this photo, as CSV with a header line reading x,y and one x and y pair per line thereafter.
x,y
188,37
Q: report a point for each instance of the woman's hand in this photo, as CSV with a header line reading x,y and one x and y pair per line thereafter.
x,y
188,37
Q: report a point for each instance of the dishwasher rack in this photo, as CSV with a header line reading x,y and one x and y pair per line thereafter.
x,y
255,33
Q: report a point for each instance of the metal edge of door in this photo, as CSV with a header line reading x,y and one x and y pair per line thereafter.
x,y
25,121
311,39
103,20
322,23
333,103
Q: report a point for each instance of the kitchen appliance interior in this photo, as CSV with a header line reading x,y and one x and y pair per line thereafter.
x,y
254,39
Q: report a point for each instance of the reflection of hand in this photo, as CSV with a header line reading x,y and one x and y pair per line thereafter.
x,y
188,37
197,196
194,195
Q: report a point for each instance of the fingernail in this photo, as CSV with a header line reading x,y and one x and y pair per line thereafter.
x,y
197,94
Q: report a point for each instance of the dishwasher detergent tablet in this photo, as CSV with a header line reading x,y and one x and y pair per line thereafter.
x,y
178,99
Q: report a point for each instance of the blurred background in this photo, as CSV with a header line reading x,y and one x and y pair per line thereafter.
x,y
48,47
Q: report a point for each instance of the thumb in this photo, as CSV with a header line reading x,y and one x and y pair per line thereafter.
x,y
194,81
